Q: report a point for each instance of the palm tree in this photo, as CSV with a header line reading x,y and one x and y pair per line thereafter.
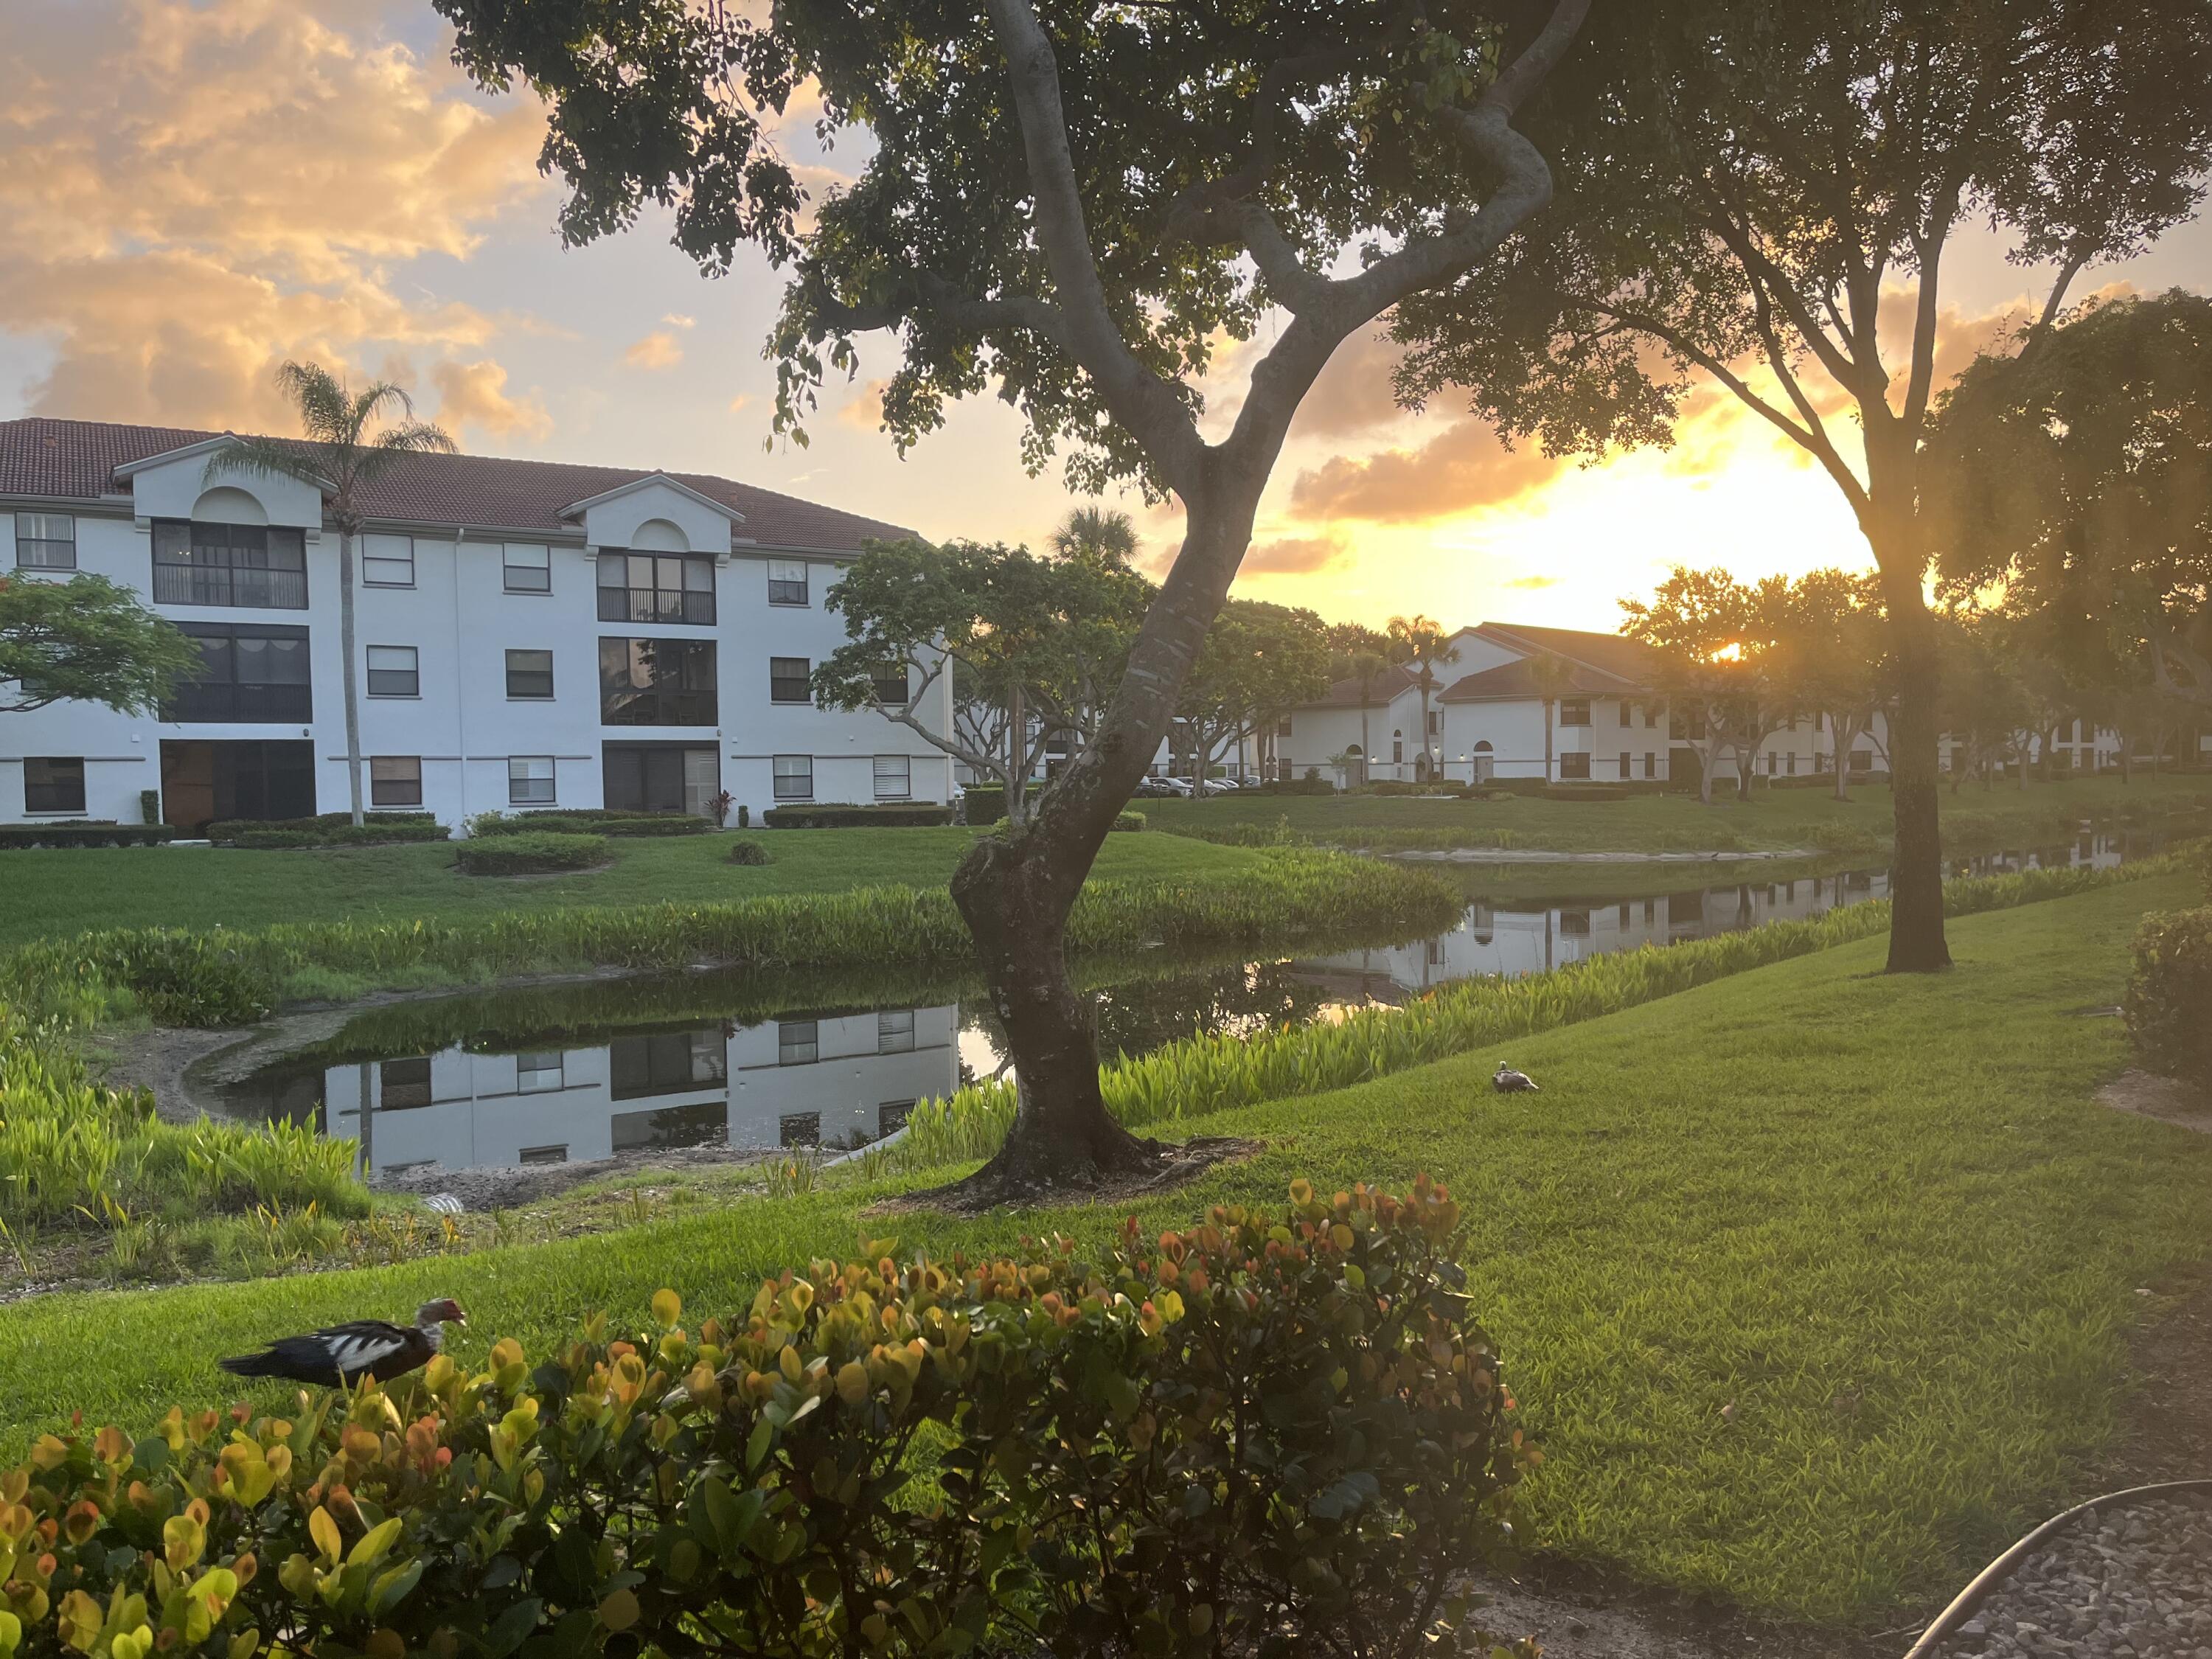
x,y
1422,640
1553,678
1101,532
337,454
1367,667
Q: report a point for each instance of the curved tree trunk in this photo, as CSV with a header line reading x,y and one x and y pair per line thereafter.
x,y
351,680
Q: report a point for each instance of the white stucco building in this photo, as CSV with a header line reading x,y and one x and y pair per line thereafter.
x,y
529,633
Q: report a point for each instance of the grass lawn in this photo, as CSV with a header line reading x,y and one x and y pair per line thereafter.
x,y
1772,819
65,891
1813,1284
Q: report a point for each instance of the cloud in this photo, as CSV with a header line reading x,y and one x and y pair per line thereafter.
x,y
658,350
864,408
1533,584
474,394
677,319
1462,468
738,402
1296,556
1352,393
193,193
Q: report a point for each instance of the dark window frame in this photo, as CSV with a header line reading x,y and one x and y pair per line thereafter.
x,y
193,578
50,783
368,558
379,797
882,679
776,778
800,598
649,704
405,1089
211,701
787,1046
508,567
22,540
905,792
804,679
552,782
514,695
1575,711
682,605
1574,766
894,1038
413,676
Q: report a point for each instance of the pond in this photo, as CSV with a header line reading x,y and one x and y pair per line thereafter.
x,y
581,1072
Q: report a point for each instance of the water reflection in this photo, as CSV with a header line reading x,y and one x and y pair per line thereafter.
x,y
582,1071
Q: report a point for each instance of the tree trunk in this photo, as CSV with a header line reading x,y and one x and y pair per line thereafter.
x,y
1841,741
352,677
1548,743
1916,944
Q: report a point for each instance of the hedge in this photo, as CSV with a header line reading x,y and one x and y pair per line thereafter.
x,y
224,829
536,823
529,853
744,850
1127,820
2169,998
842,815
1276,1431
86,835
1309,785
339,834
983,803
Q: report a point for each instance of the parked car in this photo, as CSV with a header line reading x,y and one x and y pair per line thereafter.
x,y
1218,786
1154,789
1183,786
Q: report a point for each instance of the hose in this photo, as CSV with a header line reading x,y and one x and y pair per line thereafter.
x,y
1998,1570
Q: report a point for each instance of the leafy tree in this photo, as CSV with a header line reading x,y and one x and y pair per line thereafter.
x,y
1724,663
1098,531
1553,678
1836,660
1035,646
1423,640
1764,201
1071,207
1985,707
341,457
87,638
1259,662
2075,479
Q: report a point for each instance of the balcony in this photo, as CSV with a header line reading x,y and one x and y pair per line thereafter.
x,y
656,604
275,705
264,590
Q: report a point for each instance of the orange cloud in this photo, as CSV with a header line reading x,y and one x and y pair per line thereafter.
x,y
474,394
864,408
1352,393
1462,468
1296,556
658,350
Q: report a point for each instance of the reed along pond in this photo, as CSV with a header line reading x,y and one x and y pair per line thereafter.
x,y
575,1072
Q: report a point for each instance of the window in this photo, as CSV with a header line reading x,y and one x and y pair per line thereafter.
x,y
526,568
1792,768
1574,924
395,779
1624,763
797,1041
54,784
1574,711
537,1072
1650,766
1627,712
529,675
787,582
1773,762
668,1062
45,541
545,1154
250,672
800,1128
795,777
403,1083
1650,716
392,671
786,678
892,1116
530,780
1282,726
656,682
1436,722
895,1031
1574,764
656,587
894,777
387,561
261,566
890,686
1397,749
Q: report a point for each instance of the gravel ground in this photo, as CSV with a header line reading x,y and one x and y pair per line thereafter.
x,y
2132,1582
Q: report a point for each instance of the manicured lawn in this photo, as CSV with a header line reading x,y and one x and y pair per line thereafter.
x,y
50,892
1772,819
1815,1284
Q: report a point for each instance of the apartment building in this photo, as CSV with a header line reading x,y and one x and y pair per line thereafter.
x,y
528,634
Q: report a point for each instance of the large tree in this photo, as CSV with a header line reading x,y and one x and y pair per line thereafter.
x,y
1427,648
1723,661
349,441
88,640
1071,206
1765,204
1837,665
1260,661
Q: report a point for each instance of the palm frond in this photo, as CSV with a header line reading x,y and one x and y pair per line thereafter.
x,y
270,458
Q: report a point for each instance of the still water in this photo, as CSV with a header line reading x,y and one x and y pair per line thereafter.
x,y
575,1072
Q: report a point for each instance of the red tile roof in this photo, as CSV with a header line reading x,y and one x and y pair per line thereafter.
x,y
76,460
1346,694
1517,680
1629,659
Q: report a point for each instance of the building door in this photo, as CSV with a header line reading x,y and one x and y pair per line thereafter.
x,y
660,777
202,781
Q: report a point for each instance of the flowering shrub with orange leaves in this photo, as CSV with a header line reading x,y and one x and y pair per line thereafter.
x,y
1274,1428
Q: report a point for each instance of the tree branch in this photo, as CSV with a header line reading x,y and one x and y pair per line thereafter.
x,y
1928,247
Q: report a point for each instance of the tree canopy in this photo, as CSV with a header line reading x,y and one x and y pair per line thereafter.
x,y
87,638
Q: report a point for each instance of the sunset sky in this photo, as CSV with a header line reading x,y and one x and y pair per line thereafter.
x,y
195,191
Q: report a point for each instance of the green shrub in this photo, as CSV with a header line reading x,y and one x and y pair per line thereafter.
x,y
189,978
586,822
1284,1421
338,835
85,834
2169,1000
149,806
1589,792
844,815
983,803
532,853
745,850
1129,820
1844,838
224,829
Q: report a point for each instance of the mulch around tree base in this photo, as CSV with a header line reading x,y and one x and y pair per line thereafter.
x,y
1179,1163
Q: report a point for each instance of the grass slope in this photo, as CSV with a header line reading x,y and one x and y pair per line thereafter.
x,y
1879,1220
1772,819
63,891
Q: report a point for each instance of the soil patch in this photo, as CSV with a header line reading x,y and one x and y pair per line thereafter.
x,y
2168,1099
2167,1424
1180,1162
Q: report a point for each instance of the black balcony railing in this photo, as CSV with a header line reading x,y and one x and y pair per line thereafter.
x,y
266,590
656,604
285,705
